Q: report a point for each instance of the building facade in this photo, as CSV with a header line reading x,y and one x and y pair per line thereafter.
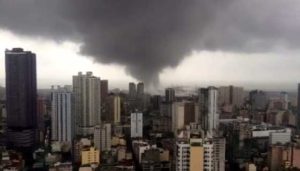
x,y
62,119
102,137
136,125
21,97
208,109
87,98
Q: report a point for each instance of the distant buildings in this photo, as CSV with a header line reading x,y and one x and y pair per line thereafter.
x,y
21,97
62,118
87,98
136,125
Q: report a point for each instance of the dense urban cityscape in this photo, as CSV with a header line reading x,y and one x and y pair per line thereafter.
x,y
88,126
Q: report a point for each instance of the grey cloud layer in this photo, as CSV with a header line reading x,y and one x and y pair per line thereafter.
x,y
148,35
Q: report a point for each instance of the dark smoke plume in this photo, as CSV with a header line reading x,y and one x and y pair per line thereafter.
x,y
148,35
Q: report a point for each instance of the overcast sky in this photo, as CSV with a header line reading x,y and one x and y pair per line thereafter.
x,y
163,43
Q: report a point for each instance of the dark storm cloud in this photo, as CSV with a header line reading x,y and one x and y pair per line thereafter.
x,y
148,35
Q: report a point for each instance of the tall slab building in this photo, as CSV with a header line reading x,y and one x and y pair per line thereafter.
x,y
136,125
62,119
87,102
21,97
209,116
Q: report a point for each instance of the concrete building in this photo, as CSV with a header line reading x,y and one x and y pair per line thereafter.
x,y
219,148
230,95
21,97
102,137
170,95
178,117
132,91
114,113
284,97
62,119
281,136
182,160
140,90
87,98
250,167
258,100
90,156
104,90
136,125
194,154
209,116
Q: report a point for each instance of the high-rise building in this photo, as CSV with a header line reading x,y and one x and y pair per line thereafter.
x,y
230,95
285,99
117,109
87,98
104,90
156,102
140,90
190,112
136,125
113,113
170,95
62,119
194,154
102,137
41,112
209,117
21,97
177,116
258,100
132,91
219,148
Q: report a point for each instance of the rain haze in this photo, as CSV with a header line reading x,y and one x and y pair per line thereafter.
x,y
160,42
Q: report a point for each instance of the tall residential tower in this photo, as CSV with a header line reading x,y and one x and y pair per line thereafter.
x,y
87,98
21,97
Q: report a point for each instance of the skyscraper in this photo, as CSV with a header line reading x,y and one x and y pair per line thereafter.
x,y
209,117
170,95
62,119
132,91
140,90
230,95
21,97
104,90
87,97
136,125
